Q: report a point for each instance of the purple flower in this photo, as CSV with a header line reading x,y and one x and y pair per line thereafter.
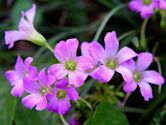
x,y
162,4
59,99
146,8
26,30
110,59
141,76
22,70
37,89
70,65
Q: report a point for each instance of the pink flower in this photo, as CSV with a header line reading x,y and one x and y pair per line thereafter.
x,y
110,59
141,76
37,89
59,99
146,8
22,70
26,30
70,65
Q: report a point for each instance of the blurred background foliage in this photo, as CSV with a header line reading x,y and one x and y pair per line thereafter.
x,y
62,19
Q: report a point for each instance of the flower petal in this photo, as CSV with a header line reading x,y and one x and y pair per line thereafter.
x,y
147,11
84,63
41,104
97,52
44,79
77,78
72,45
153,77
62,84
31,100
12,36
126,73
31,86
63,106
13,77
129,87
130,64
162,5
61,51
18,90
20,67
28,62
146,90
111,44
53,105
125,54
58,71
85,48
72,93
102,74
33,73
144,60
135,5
30,14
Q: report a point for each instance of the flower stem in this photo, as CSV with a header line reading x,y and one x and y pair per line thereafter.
x,y
106,19
125,99
143,42
63,120
49,47
159,70
86,103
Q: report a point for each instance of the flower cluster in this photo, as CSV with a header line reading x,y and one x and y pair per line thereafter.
x,y
53,89
146,8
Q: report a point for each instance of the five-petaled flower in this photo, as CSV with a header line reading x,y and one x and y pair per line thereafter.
x,y
26,30
141,76
59,99
110,59
146,8
22,70
71,65
38,90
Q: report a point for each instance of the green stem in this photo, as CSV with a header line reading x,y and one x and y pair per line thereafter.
x,y
143,42
63,120
86,103
125,99
159,70
106,19
49,47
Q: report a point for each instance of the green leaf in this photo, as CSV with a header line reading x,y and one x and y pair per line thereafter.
x,y
7,102
107,114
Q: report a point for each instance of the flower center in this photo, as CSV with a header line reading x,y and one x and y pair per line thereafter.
x,y
147,2
137,77
44,90
112,64
61,94
70,65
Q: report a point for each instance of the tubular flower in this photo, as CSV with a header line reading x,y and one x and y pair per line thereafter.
x,y
146,8
110,59
59,99
141,76
26,30
70,65
22,70
37,90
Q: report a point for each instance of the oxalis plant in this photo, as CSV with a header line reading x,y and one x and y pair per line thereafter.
x,y
64,87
